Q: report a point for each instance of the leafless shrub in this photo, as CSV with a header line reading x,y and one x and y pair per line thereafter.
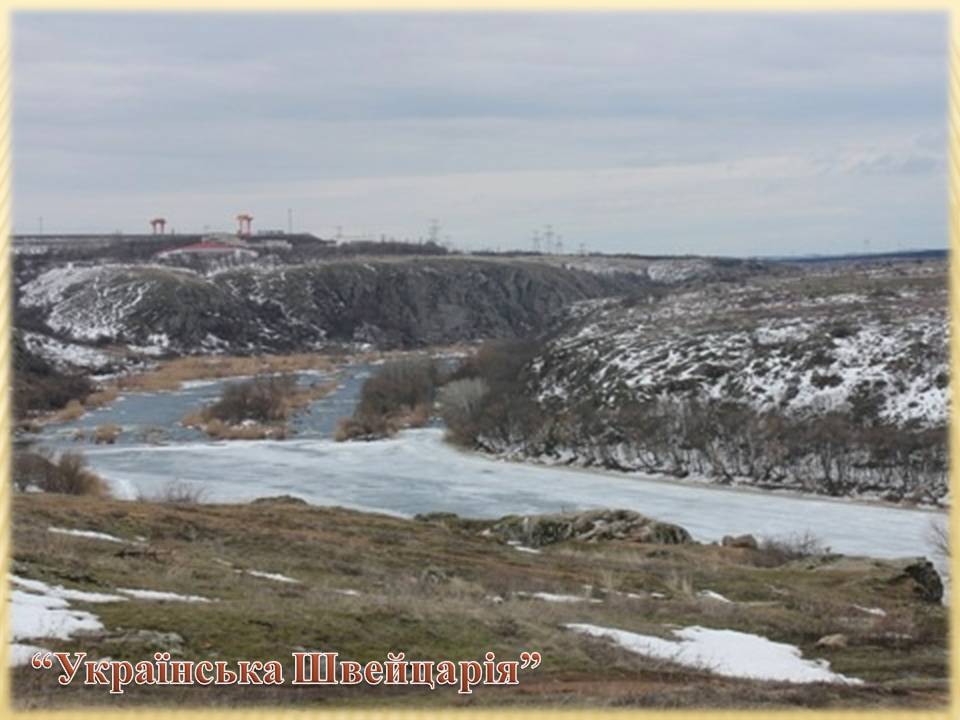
x,y
939,534
71,411
67,474
781,550
176,492
263,399
400,395
460,402
366,427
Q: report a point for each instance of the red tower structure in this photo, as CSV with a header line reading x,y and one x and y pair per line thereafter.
x,y
244,220
158,225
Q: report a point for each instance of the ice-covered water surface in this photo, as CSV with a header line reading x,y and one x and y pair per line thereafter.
x,y
417,472
158,414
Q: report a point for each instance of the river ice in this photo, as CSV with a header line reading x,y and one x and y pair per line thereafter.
x,y
417,472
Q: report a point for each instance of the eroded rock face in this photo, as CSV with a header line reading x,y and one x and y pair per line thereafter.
x,y
390,304
588,526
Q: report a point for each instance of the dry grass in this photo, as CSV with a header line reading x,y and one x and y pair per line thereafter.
x,y
101,397
67,474
217,428
73,410
372,427
175,492
302,397
256,409
351,428
451,611
169,374
107,434
430,590
773,551
220,430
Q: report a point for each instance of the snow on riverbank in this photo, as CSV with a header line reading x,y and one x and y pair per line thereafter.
x,y
724,652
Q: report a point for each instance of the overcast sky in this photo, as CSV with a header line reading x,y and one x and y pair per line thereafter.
x,y
652,133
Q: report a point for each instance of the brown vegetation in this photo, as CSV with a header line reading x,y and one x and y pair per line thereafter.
x,y
169,374
175,492
107,433
67,474
834,453
400,395
474,592
256,409
38,386
71,411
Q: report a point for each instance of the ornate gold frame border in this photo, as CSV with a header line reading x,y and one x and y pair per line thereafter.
x,y
10,6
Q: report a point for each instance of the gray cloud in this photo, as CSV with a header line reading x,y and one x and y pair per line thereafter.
x,y
723,133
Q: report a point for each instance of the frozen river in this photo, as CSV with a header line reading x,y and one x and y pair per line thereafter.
x,y
417,472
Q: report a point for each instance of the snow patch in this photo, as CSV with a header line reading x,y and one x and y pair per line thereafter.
x,y
556,598
93,535
161,596
724,652
271,576
42,611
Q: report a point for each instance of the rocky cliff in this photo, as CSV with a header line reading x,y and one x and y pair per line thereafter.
x,y
389,303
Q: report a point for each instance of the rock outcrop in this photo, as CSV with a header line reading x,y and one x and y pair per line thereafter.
x,y
390,304
589,526
740,541
923,577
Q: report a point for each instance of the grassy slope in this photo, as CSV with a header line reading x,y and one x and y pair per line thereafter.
x,y
393,564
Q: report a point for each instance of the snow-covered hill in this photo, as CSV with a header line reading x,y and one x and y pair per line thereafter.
x,y
387,303
802,345
831,381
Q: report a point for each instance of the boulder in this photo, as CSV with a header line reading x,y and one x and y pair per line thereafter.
x,y
589,526
924,577
837,640
740,541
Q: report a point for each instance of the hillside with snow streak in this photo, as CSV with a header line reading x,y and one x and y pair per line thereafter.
x,y
382,302
803,346
834,381
299,307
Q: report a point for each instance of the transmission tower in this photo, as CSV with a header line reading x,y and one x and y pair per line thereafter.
x,y
433,232
548,238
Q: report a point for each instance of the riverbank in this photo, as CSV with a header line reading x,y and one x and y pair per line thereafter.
x,y
174,374
417,472
276,576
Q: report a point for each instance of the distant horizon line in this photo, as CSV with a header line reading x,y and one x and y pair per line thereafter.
x,y
805,257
